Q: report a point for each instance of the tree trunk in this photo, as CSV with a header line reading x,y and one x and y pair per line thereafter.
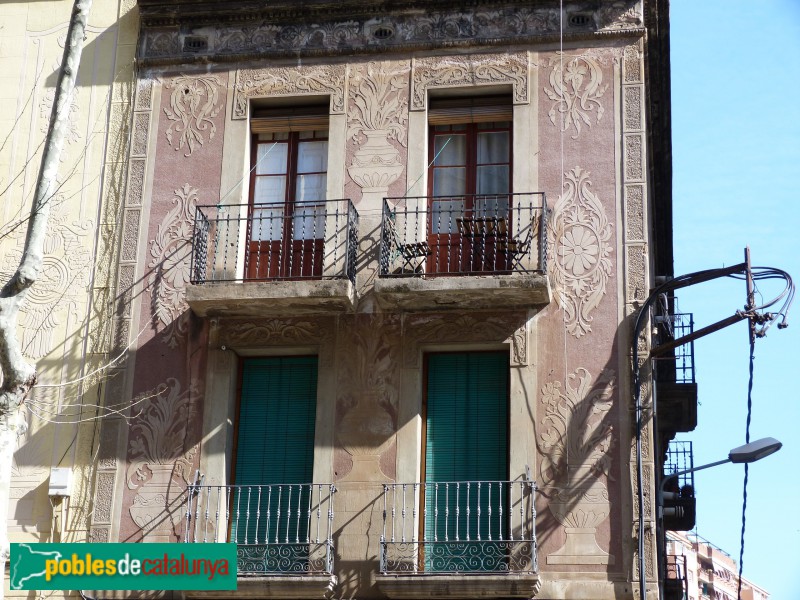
x,y
19,376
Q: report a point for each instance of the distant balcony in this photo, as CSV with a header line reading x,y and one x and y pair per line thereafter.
x,y
675,581
472,251
676,389
468,539
270,259
283,533
679,503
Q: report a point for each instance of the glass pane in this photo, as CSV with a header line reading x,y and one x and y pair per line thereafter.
x,y
453,152
450,182
270,189
311,187
271,159
493,147
308,222
312,157
492,180
267,223
492,206
444,214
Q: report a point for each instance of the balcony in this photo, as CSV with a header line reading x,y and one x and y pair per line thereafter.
x,y
283,533
272,260
675,582
469,539
473,251
676,390
679,502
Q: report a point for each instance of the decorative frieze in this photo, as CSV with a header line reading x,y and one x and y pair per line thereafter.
x,y
322,33
316,79
468,70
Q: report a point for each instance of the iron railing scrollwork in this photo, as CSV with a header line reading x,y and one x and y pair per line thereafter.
x,y
459,527
278,529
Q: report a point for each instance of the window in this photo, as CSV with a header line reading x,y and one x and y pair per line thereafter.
x,y
274,450
287,195
469,184
465,459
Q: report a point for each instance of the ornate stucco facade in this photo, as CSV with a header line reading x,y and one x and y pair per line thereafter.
x,y
588,112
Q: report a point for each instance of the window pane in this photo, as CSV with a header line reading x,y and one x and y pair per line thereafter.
x,y
308,222
492,180
444,214
312,157
449,182
271,159
493,147
267,223
491,206
311,187
269,189
449,153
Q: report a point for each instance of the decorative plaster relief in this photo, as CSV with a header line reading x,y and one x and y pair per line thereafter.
x,y
575,447
104,495
579,242
172,254
62,282
160,463
72,133
634,158
637,281
631,65
464,26
99,535
576,91
268,332
144,94
377,113
193,105
367,396
136,182
464,329
634,213
474,69
317,79
141,128
618,15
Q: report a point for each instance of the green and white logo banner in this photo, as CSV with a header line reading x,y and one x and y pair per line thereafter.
x,y
123,566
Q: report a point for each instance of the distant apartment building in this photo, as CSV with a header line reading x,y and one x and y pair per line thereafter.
x,y
699,570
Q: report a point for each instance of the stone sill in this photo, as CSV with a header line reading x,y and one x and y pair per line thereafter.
x,y
421,586
275,586
517,290
271,298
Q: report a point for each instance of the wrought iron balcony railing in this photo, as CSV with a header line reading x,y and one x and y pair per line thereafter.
x,y
469,527
275,241
279,529
464,235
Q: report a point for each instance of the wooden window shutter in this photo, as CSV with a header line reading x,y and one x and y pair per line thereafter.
x,y
452,111
297,119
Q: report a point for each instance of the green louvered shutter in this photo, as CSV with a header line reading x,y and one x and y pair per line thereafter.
x,y
466,440
275,445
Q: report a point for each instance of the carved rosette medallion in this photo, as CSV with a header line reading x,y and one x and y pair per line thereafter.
x,y
193,104
476,69
171,251
377,113
317,79
579,240
576,458
160,463
576,89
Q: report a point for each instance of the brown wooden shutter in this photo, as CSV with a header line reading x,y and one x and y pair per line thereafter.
x,y
451,111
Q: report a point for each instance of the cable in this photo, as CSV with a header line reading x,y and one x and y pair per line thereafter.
x,y
746,466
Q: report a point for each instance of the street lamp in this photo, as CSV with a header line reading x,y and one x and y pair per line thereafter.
x,y
743,454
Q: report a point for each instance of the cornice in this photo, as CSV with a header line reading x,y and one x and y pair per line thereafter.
x,y
290,32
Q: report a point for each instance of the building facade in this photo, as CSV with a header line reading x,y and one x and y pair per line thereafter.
x,y
375,268
703,570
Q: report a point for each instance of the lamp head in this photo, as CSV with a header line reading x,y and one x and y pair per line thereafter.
x,y
754,450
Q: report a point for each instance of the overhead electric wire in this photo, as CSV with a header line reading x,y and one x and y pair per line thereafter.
x,y
764,320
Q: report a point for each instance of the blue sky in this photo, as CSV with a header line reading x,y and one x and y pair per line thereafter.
x,y
736,160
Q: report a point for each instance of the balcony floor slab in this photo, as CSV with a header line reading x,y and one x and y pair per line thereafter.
x,y
421,586
518,290
271,298
275,586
